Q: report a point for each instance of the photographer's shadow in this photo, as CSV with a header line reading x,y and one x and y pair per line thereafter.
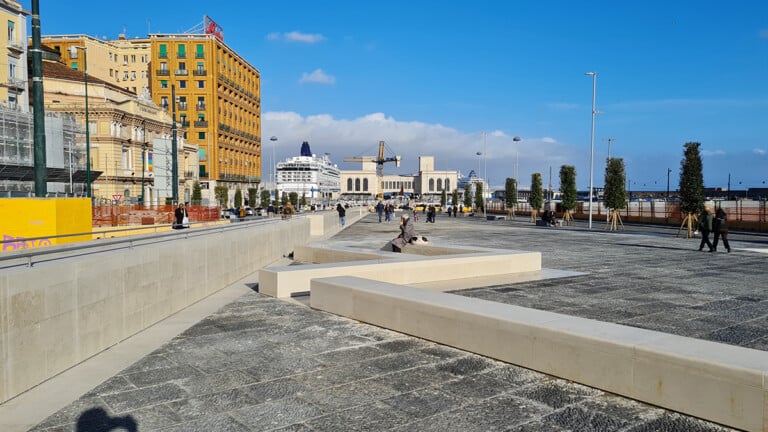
x,y
97,420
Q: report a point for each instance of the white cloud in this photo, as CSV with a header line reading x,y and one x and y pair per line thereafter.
x,y
317,76
760,152
712,153
452,149
296,36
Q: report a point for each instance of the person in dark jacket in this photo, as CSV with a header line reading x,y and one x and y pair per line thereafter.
x,y
705,227
720,226
181,217
342,214
407,234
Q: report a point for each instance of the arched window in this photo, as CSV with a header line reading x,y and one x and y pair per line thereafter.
x,y
349,185
439,184
431,185
365,185
447,185
357,185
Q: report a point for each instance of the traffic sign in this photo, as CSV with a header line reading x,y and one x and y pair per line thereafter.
x,y
117,197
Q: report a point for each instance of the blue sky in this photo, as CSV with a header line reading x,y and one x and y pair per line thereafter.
x,y
430,77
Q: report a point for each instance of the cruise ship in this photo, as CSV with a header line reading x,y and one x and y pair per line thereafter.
x,y
312,176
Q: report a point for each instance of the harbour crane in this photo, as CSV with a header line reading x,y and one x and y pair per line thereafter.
x,y
379,160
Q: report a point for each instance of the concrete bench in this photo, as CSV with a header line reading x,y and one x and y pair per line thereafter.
x,y
495,217
718,382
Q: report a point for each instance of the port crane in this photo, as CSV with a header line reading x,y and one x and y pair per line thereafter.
x,y
379,160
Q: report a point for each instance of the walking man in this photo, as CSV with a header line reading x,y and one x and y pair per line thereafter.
x,y
705,227
342,214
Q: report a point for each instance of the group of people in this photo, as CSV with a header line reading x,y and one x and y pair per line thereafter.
x,y
717,223
385,210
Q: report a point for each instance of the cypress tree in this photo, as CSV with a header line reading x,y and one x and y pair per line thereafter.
x,y
615,195
467,196
479,203
691,180
455,197
443,198
265,198
568,193
510,195
197,193
536,198
238,198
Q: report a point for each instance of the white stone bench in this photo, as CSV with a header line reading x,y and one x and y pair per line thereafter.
x,y
721,383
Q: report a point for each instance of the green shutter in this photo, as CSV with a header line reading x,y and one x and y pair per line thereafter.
x,y
163,50
74,65
182,50
199,51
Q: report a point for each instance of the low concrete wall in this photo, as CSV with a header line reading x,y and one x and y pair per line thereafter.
x,y
58,313
721,383
325,222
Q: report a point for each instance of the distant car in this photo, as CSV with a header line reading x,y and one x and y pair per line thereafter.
x,y
250,211
229,213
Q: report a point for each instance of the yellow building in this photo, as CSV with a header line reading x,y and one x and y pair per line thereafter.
x,y
217,98
13,72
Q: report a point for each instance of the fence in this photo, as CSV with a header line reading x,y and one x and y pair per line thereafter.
x,y
742,214
115,215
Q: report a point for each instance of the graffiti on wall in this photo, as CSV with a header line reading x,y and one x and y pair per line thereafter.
x,y
11,243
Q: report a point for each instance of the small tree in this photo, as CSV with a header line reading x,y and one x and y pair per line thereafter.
x,y
266,199
536,198
294,198
277,196
222,195
443,198
197,193
467,196
510,195
479,202
691,186
253,193
568,193
284,198
455,197
238,198
615,195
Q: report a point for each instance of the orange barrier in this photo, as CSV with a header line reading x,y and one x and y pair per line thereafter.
x,y
117,215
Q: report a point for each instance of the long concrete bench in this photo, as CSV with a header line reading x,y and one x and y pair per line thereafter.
x,y
721,383
284,281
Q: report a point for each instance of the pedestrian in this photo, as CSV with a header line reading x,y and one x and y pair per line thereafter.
x,y
705,227
342,214
288,210
270,210
415,215
380,209
387,212
181,217
455,209
720,226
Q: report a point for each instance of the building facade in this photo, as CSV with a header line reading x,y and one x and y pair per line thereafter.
x,y
217,98
14,92
427,184
124,131
314,177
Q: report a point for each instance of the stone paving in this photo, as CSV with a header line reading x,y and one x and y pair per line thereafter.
x,y
267,364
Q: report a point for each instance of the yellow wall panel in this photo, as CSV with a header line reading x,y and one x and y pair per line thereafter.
x,y
27,218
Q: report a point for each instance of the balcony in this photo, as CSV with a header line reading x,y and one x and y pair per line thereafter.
x,y
182,106
163,72
184,123
200,107
181,55
163,55
183,72
199,72
201,123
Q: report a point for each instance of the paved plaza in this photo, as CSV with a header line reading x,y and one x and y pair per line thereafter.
x,y
265,364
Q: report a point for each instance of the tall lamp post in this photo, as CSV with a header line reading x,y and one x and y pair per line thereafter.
x,y
485,175
516,140
592,142
73,53
273,174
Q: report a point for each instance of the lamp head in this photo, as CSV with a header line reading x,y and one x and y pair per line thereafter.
x,y
590,73
274,138
517,138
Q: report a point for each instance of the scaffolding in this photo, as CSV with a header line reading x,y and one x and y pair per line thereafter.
x,y
65,158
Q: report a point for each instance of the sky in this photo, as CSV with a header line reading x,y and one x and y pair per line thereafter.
x,y
452,79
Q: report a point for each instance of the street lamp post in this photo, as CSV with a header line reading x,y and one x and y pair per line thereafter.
x,y
273,174
516,140
485,175
73,52
592,142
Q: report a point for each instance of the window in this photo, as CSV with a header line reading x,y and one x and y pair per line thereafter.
x,y
163,51
110,56
200,84
349,184
365,185
164,101
439,184
182,51
11,31
163,84
11,69
125,60
182,84
163,66
199,51
357,185
447,185
133,58
74,65
125,75
431,185
182,65
133,75
201,135
201,102
111,72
